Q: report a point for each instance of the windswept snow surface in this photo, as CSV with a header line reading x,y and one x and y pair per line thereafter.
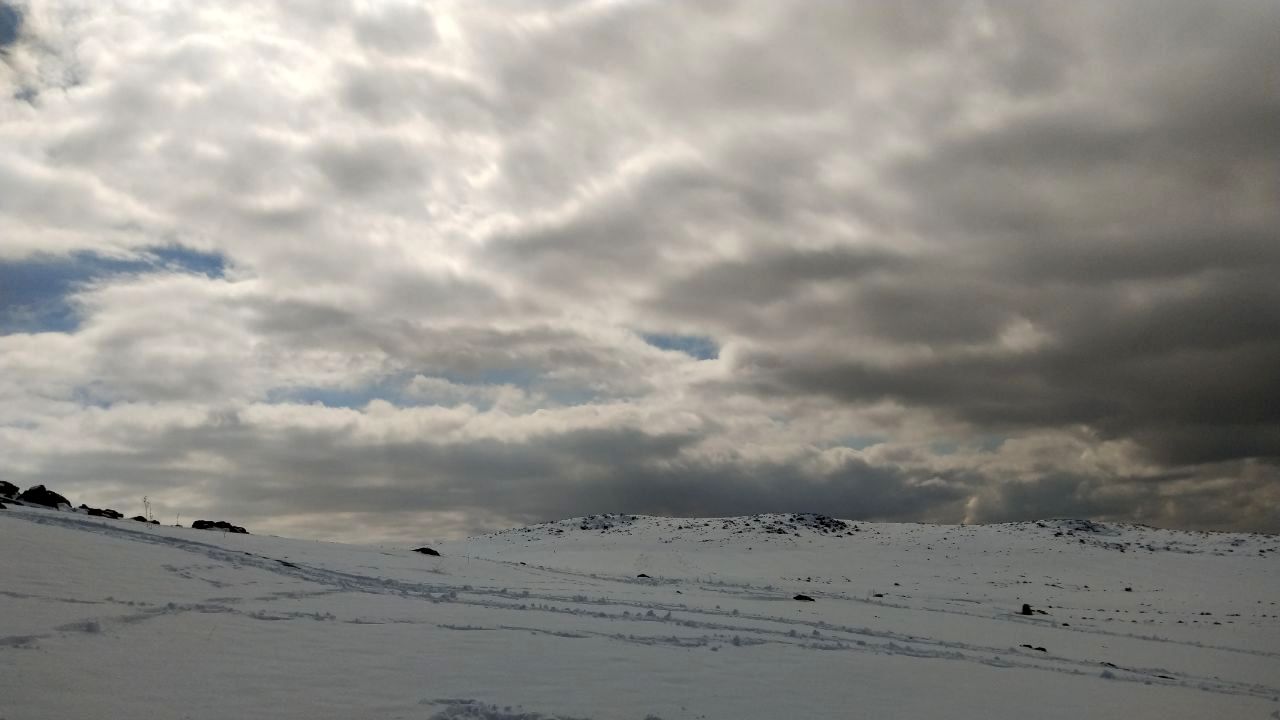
x,y
118,619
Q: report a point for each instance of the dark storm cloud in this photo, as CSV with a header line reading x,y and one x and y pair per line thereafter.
x,y
277,474
1187,403
272,475
1134,236
1181,499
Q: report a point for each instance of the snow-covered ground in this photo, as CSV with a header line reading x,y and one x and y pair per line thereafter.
x,y
119,619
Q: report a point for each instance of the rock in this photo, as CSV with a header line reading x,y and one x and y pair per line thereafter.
x,y
803,598
1128,589
39,495
218,525
427,551
138,518
105,512
642,575
1026,609
2,506
8,489
155,522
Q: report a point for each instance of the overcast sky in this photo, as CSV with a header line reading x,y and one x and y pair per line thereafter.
x,y
385,271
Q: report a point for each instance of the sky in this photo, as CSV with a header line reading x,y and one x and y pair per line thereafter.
x,y
380,271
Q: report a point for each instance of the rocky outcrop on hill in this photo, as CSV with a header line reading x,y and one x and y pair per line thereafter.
x,y
39,495
218,525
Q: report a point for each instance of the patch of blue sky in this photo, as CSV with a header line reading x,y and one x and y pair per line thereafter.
x,y
35,292
696,346
464,388
521,377
11,18
177,258
393,389
390,389
981,443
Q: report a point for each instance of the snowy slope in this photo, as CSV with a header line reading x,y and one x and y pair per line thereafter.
x,y
117,619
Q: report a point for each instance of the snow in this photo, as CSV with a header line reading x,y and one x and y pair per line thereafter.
x,y
113,618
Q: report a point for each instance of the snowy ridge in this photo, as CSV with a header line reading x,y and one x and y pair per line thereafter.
x,y
687,528
768,527
638,617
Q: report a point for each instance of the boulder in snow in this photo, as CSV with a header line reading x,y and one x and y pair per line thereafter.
x,y
218,525
427,551
8,489
40,495
803,598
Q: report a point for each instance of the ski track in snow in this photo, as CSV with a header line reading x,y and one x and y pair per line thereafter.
x,y
603,607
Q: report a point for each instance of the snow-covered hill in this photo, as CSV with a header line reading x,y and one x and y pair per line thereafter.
x,y
632,617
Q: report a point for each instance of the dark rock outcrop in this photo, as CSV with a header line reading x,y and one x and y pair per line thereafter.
x,y
8,489
101,512
1026,609
218,525
40,495
138,518
642,575
2,506
803,598
427,551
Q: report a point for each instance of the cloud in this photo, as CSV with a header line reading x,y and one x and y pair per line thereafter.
x,y
382,271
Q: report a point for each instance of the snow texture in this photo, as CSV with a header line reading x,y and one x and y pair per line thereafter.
x,y
110,618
